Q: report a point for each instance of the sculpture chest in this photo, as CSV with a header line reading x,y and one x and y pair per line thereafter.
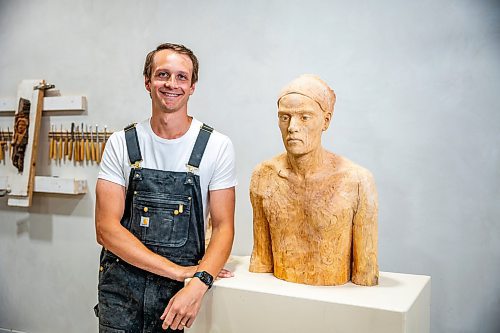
x,y
311,221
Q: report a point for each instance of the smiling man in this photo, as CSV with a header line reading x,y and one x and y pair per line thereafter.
x,y
157,184
314,212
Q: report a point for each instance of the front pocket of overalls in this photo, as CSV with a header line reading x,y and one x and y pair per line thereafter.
x,y
161,220
108,262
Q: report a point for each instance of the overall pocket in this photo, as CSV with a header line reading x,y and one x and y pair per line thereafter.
x,y
160,219
107,265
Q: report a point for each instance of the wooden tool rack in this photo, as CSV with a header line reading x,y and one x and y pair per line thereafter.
x,y
19,185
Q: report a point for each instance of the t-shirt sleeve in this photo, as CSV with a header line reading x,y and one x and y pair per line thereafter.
x,y
111,167
224,175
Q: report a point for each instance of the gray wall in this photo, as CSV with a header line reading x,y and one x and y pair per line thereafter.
x,y
417,86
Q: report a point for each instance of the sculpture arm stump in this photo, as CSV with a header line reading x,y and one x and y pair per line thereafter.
x,y
261,260
365,235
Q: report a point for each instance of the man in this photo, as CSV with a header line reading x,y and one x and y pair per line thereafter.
x,y
315,213
158,182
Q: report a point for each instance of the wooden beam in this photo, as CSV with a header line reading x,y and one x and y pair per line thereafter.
x,y
60,185
21,181
48,184
52,103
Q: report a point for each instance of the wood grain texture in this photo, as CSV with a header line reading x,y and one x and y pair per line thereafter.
x,y
314,212
321,230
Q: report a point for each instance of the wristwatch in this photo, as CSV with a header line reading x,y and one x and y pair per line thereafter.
x,y
205,277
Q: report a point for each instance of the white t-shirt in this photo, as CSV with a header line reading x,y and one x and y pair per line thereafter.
x,y
217,168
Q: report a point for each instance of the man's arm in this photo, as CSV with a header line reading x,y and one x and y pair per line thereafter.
x,y
184,306
110,203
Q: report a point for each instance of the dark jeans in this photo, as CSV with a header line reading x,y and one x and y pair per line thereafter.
x,y
132,300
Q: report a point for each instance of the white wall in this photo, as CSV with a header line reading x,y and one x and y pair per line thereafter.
x,y
417,86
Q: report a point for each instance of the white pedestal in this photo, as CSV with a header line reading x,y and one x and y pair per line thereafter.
x,y
259,302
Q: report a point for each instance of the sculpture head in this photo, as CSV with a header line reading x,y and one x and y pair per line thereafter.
x,y
305,108
21,124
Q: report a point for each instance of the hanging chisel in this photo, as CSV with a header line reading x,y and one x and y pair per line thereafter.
x,y
99,147
54,144
77,144
97,152
60,148
71,141
51,142
92,148
82,147
65,144
87,145
104,141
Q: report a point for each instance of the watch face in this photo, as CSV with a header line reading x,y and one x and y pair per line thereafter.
x,y
208,277
205,278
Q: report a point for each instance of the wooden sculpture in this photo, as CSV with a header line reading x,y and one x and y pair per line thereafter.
x,y
20,138
314,212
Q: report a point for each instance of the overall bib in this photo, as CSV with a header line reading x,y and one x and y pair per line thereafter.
x,y
164,210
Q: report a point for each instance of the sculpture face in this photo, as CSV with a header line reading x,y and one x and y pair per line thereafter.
x,y
22,124
301,123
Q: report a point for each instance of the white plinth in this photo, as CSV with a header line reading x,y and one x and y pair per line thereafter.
x,y
259,302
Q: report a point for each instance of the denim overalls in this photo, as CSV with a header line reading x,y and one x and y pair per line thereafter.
x,y
164,210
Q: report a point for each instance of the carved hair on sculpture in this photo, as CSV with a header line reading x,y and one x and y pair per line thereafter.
x,y
313,87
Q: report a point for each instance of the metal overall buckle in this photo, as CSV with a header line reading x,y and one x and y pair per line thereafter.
x,y
190,168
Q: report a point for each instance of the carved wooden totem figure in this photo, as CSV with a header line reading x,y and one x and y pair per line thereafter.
x,y
20,138
314,212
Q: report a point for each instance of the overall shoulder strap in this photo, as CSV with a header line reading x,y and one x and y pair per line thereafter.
x,y
199,147
134,152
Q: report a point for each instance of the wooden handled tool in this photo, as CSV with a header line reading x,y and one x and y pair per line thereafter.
x,y
103,145
65,145
96,145
77,145
71,141
51,142
82,147
54,144
87,145
92,148
60,146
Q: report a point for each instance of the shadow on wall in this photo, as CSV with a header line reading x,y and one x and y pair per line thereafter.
x,y
37,220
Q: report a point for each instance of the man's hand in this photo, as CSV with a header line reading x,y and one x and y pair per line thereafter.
x,y
187,307
184,306
185,272
224,273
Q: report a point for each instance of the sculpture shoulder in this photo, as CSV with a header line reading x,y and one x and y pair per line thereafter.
x,y
356,171
266,170
270,167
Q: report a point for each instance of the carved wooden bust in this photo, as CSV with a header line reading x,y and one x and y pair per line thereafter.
x,y
314,212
